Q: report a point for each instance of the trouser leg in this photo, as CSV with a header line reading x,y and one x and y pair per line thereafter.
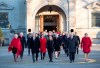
x,y
28,50
73,56
77,50
21,55
51,56
70,56
64,48
36,56
14,55
33,57
67,53
43,55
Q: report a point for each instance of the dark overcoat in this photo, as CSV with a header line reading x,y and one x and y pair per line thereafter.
x,y
28,42
50,46
57,43
35,45
72,44
23,42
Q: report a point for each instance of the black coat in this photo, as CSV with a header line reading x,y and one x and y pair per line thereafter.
x,y
50,46
66,42
72,44
28,42
63,40
35,45
23,42
57,43
78,40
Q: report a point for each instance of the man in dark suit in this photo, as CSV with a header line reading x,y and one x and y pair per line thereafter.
x,y
23,43
78,42
72,44
29,35
28,42
35,45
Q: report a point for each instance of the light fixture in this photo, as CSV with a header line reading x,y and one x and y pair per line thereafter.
x,y
49,7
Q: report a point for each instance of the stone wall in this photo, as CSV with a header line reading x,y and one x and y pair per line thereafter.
x,y
83,20
16,16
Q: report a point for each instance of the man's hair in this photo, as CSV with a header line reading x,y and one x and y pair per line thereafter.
x,y
29,30
72,30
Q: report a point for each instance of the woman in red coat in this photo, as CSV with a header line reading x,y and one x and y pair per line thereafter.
x,y
85,45
15,47
43,43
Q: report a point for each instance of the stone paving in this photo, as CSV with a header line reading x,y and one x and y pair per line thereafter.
x,y
6,60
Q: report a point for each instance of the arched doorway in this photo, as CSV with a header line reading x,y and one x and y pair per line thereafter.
x,y
50,17
50,22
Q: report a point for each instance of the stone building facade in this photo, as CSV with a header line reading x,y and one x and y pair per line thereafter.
x,y
60,15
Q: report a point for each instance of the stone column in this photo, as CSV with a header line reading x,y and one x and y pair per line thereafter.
x,y
72,14
41,23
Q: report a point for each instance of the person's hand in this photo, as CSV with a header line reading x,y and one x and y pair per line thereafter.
x,y
81,47
11,46
39,49
46,49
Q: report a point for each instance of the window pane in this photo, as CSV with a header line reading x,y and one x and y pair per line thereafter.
x,y
4,23
96,19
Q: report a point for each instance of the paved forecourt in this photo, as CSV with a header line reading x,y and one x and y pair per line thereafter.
x,y
6,60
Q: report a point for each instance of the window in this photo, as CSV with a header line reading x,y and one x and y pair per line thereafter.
x,y
96,19
4,23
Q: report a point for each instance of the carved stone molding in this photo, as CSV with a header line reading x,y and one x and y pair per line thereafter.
x,y
94,5
4,6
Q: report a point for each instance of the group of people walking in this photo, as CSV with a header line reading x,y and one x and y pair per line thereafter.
x,y
52,42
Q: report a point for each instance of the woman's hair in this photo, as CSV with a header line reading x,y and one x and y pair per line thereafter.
x,y
86,34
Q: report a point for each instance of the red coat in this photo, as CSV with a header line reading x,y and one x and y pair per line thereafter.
x,y
85,44
43,43
17,44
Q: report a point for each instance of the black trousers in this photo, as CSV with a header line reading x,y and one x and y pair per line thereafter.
x,y
21,55
67,52
29,50
50,55
77,50
72,56
14,51
34,57
63,45
42,55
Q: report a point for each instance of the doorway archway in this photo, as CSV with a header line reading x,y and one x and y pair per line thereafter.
x,y
50,20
